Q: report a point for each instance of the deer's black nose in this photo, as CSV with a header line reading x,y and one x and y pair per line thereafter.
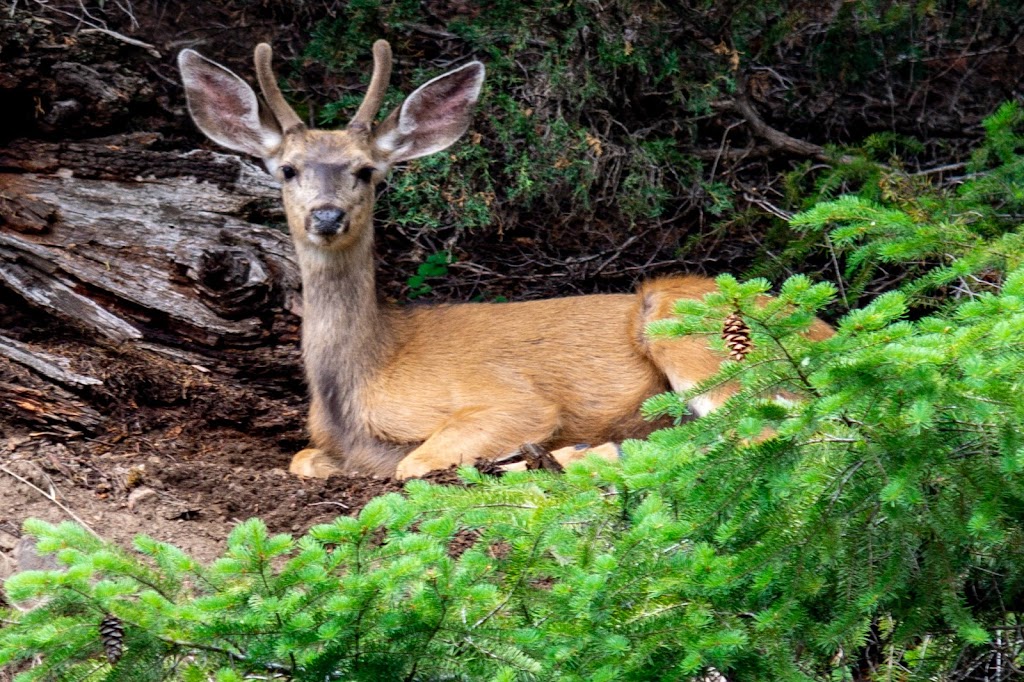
x,y
326,221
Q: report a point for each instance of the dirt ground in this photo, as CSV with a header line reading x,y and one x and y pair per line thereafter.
x,y
188,489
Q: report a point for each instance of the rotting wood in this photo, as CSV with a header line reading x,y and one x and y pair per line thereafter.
x,y
172,273
50,366
133,243
55,296
49,406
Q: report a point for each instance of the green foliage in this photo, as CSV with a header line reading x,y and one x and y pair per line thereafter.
x,y
891,490
929,240
609,114
605,113
378,597
544,141
435,265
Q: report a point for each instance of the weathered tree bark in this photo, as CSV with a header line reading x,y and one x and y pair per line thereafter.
x,y
139,244
132,276
151,253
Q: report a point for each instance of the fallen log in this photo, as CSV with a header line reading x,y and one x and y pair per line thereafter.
x,y
134,244
177,260
43,404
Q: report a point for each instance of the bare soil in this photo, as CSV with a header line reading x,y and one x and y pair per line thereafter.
x,y
181,485
188,489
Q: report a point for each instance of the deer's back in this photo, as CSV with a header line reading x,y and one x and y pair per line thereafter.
x,y
584,355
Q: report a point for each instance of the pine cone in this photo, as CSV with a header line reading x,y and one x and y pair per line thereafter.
x,y
112,634
737,337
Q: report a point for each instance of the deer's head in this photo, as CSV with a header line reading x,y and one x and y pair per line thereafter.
x,y
328,176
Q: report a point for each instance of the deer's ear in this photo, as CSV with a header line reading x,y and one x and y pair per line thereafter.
x,y
225,108
433,117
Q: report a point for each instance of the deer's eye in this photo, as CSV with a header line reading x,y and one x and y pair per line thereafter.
x,y
365,174
288,172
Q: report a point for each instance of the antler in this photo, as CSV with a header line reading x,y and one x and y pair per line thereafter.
x,y
285,115
378,86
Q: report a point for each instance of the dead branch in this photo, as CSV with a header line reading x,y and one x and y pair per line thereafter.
x,y
53,499
45,364
776,138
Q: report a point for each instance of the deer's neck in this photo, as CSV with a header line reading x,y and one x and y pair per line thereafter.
x,y
345,334
346,338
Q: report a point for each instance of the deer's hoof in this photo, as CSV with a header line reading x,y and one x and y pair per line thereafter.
x,y
313,463
574,453
413,467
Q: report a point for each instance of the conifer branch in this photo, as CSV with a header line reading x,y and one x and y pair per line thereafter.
x,y
656,612
513,589
433,633
239,656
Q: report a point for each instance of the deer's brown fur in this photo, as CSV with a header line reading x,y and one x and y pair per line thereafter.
x,y
408,390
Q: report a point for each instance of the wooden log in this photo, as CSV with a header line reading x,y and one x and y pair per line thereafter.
x,y
173,268
133,243
45,291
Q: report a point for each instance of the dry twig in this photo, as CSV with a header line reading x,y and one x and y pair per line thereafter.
x,y
51,498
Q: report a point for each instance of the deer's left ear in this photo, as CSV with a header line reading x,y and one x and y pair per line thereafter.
x,y
433,117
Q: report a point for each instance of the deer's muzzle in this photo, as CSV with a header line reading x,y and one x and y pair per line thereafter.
x,y
325,222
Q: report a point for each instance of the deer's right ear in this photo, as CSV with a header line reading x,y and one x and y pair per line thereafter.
x,y
225,108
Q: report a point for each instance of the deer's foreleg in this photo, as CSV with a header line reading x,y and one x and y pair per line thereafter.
x,y
480,433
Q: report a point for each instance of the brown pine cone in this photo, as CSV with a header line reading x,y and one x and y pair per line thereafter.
x,y
112,635
736,334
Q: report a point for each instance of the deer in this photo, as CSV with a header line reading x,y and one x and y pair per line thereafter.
x,y
403,391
